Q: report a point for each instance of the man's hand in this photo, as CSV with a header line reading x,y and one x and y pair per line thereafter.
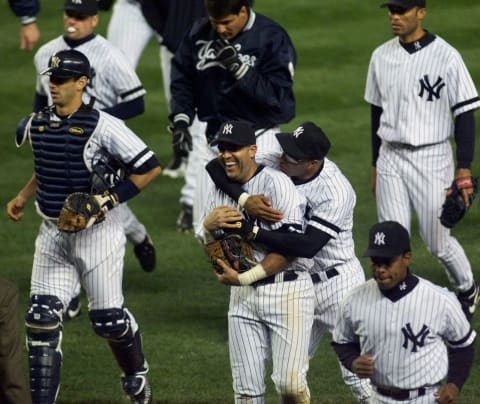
x,y
229,275
222,217
363,366
447,394
226,54
181,141
15,208
260,207
29,36
467,191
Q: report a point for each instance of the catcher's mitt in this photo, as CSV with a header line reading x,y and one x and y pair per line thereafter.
x,y
232,249
454,207
80,211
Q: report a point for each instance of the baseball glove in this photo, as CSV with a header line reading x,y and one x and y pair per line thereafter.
x,y
80,211
232,249
454,207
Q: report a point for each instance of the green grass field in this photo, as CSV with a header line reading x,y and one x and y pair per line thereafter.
x,y
180,306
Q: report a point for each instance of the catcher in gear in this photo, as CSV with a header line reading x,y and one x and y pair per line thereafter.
x,y
459,198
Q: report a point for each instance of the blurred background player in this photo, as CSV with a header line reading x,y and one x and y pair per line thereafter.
x,y
234,65
27,10
114,88
133,23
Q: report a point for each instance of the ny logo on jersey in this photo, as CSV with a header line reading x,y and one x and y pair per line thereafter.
x,y
418,340
433,90
227,129
379,238
298,131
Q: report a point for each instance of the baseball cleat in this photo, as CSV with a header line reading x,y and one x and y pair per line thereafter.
x,y
74,309
138,389
469,300
185,219
176,168
145,253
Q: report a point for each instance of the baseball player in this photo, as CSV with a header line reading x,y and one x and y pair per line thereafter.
x,y
27,11
114,88
328,234
264,299
133,23
416,84
235,65
406,334
65,139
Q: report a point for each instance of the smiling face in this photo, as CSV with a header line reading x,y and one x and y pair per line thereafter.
x,y
238,161
389,272
407,23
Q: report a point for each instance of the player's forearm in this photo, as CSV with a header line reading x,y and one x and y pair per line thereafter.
x,y
346,353
459,364
129,109
29,190
273,263
465,139
217,173
375,114
25,8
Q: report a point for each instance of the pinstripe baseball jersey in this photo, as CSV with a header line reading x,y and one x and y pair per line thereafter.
x,y
281,191
419,91
113,78
407,333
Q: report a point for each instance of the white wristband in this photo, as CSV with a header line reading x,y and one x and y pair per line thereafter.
x,y
252,275
242,199
207,236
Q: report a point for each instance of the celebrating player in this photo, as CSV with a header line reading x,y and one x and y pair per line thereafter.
x,y
416,83
271,304
238,65
328,235
403,332
65,139
114,87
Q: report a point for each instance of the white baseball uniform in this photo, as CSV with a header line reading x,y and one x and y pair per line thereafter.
x,y
419,91
113,81
271,319
407,333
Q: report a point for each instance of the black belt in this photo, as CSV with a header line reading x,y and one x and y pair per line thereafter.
x,y
400,394
329,274
286,277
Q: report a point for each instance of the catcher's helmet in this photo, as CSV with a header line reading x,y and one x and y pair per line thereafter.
x,y
68,63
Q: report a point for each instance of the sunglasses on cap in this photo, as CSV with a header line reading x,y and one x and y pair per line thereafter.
x,y
76,15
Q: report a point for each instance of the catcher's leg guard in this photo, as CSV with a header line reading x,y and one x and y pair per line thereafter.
x,y
126,344
44,336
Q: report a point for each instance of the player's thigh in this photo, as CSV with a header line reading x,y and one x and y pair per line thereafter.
x,y
248,340
53,272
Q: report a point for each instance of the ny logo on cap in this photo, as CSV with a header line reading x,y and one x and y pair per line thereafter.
x,y
77,1
379,238
298,131
55,61
227,129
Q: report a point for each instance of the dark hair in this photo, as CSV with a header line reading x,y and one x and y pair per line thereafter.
x,y
221,8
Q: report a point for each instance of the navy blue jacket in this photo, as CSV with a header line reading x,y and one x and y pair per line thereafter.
x,y
263,96
23,8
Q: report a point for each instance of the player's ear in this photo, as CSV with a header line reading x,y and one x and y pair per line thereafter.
x,y
421,13
252,151
82,82
95,20
407,256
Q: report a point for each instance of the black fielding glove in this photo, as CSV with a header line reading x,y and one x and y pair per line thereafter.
x,y
228,57
181,139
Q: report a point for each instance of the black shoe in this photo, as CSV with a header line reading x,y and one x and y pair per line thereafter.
x,y
176,168
138,388
74,309
469,300
145,253
185,219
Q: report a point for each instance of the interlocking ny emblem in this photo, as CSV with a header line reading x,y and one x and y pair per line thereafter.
x,y
298,131
55,62
418,340
379,238
227,129
433,90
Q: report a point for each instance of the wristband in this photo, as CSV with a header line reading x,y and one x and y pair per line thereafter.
x,y
254,274
125,190
242,199
26,20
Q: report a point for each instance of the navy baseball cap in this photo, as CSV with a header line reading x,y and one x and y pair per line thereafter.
x,y
235,132
68,63
387,239
82,7
307,142
405,4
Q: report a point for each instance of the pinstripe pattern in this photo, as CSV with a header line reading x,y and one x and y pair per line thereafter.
x,y
415,178
376,323
273,320
114,80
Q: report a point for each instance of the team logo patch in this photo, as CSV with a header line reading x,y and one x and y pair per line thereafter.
x,y
417,340
227,129
379,238
431,90
75,130
55,62
298,131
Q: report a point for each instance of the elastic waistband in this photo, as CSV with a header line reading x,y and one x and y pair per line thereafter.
x,y
324,275
400,394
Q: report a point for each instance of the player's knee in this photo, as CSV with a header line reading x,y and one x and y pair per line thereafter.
x,y
112,324
43,321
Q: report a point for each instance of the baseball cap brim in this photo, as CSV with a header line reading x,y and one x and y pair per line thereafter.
x,y
290,147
